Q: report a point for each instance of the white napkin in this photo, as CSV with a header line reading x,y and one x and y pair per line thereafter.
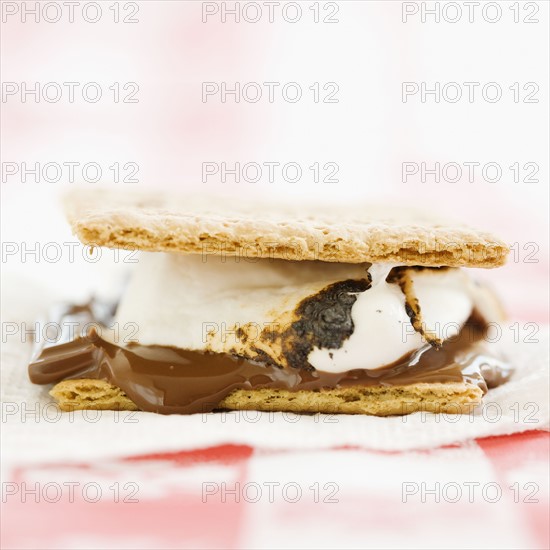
x,y
33,430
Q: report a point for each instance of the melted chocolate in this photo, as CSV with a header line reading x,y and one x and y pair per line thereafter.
x,y
170,380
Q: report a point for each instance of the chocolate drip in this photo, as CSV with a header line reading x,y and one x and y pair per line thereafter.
x,y
170,380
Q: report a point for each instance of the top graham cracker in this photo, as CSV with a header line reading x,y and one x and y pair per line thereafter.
x,y
232,225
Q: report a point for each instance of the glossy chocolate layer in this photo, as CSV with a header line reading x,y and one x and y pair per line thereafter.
x,y
169,380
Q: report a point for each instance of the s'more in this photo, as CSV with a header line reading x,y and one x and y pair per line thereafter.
x,y
236,304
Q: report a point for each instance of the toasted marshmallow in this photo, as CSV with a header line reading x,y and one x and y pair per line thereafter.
x,y
198,303
383,331
195,302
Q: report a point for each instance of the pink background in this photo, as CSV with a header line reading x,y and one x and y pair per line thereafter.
x,y
369,133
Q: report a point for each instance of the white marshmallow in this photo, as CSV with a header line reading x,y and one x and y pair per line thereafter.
x,y
175,299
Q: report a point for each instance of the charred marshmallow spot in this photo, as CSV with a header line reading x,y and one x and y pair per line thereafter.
x,y
324,320
383,331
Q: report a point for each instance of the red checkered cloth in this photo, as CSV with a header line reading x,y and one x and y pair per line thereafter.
x,y
489,493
